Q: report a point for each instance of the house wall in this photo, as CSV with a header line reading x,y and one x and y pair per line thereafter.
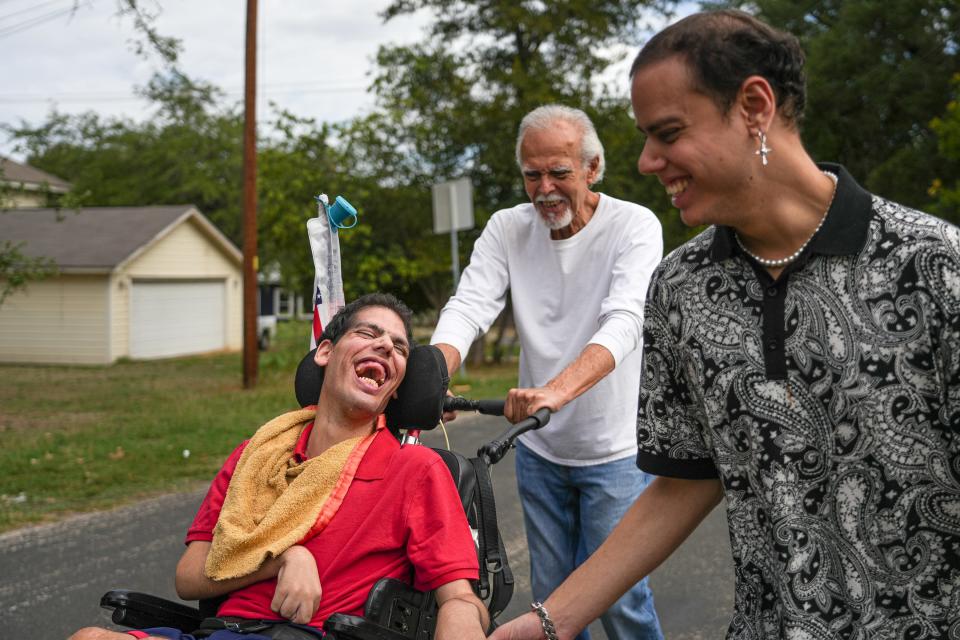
x,y
57,320
17,199
183,254
119,294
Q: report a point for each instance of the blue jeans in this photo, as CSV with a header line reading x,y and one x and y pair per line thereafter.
x,y
568,512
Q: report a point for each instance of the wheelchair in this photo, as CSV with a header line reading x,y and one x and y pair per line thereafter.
x,y
393,610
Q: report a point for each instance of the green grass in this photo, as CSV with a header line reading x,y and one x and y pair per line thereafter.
x,y
489,381
77,439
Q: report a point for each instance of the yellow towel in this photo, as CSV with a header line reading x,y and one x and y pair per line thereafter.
x,y
273,502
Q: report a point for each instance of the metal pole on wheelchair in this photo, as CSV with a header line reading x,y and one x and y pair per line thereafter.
x,y
411,436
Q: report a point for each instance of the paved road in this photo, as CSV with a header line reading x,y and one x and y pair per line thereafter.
x,y
52,576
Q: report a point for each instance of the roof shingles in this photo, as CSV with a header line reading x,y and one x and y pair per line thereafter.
x,y
89,238
14,172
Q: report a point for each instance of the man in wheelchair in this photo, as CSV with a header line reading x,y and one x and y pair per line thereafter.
x,y
319,504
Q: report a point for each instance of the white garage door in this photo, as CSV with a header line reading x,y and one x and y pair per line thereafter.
x,y
177,318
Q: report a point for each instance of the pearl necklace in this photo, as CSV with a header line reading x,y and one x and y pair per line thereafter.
x,y
782,262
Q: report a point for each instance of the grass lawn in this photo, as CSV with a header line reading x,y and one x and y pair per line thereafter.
x,y
82,438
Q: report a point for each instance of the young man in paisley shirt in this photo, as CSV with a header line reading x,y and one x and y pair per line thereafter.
x,y
801,363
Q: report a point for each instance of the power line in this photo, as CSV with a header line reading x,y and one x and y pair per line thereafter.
x,y
27,98
29,9
33,22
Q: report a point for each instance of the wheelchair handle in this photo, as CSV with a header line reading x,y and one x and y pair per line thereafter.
x,y
486,407
492,452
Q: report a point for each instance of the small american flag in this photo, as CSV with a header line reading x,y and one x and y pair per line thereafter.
x,y
328,278
317,324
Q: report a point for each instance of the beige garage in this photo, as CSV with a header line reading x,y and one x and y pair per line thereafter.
x,y
138,282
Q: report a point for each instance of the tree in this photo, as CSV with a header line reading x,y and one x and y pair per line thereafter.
x,y
17,269
396,247
877,74
946,186
390,250
187,153
144,19
450,105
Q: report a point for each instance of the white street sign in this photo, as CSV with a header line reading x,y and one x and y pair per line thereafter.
x,y
452,206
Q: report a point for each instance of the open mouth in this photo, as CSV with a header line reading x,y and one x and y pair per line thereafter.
x,y
552,203
371,373
677,187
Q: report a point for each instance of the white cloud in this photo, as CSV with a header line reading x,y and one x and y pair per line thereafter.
x,y
314,56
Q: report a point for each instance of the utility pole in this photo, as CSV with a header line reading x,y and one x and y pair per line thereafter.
x,y
250,266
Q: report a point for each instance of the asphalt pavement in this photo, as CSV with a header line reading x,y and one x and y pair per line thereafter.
x,y
52,576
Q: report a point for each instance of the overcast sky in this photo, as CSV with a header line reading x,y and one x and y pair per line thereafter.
x,y
314,55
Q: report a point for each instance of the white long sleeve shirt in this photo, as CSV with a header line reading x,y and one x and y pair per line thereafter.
x,y
589,288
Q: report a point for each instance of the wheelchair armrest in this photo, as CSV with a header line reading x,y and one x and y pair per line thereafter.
x,y
142,611
344,627
393,611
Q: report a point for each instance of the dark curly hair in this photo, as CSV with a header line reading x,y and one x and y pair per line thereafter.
x,y
723,48
343,319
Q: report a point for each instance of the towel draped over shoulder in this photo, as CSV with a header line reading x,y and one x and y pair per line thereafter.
x,y
273,501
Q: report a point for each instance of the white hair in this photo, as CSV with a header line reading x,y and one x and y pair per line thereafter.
x,y
543,118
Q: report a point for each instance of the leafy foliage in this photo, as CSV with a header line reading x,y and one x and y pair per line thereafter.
x,y
456,98
17,269
946,187
877,74
187,153
144,23
391,250
448,106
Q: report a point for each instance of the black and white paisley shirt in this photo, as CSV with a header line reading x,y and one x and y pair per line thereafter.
x,y
828,405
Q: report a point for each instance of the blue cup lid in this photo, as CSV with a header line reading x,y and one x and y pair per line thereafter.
x,y
341,211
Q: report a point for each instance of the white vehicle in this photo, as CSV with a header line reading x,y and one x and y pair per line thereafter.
x,y
266,331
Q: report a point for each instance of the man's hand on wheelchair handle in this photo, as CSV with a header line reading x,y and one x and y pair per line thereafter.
x,y
449,416
522,403
298,593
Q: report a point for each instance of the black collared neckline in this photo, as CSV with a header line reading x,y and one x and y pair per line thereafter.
x,y
844,232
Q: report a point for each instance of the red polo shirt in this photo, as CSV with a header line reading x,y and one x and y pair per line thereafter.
x,y
401,518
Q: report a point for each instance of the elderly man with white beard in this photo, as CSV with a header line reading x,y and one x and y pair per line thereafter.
x,y
577,264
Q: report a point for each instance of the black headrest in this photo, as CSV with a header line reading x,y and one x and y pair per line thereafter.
x,y
419,401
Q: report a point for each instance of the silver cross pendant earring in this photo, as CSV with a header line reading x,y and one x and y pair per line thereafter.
x,y
764,150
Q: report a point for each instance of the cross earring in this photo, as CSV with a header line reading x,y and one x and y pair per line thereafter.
x,y
764,150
